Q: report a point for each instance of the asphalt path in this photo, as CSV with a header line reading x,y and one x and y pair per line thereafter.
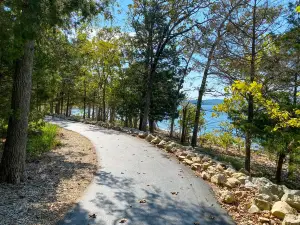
x,y
141,184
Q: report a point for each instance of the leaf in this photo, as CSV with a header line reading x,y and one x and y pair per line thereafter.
x,y
298,9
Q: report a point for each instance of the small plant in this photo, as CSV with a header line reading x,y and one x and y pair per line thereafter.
x,y
43,141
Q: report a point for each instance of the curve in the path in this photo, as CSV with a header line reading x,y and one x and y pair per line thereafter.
x,y
133,170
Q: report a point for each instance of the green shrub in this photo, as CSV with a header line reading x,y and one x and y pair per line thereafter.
x,y
43,141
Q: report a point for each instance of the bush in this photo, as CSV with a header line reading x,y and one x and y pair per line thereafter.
x,y
43,141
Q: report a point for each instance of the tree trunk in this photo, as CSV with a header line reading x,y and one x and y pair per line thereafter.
x,y
93,113
103,102
135,122
84,99
151,125
250,97
12,168
61,102
89,110
281,158
183,131
172,126
141,120
68,104
51,107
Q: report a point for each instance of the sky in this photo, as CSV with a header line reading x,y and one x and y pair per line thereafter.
x,y
193,80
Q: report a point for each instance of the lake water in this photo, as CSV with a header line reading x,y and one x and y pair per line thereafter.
x,y
211,123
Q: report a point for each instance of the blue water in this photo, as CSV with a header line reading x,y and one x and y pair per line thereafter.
x,y
211,123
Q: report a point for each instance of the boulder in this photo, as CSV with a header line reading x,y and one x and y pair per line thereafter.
x,y
240,176
227,197
219,179
143,134
162,144
280,209
206,165
220,168
169,146
188,162
156,141
265,186
205,159
150,137
182,158
292,199
196,159
172,150
249,184
196,166
232,182
191,155
205,176
229,171
180,153
291,219
253,209
262,204
265,197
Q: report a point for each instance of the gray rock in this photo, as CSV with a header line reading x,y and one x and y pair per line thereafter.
x,y
280,209
292,199
291,219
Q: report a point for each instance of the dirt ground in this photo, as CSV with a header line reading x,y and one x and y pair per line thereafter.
x,y
55,181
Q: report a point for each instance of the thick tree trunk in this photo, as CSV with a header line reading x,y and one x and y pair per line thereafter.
x,y
151,125
281,158
12,166
141,120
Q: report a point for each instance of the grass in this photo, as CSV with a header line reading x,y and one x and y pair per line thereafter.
x,y
43,141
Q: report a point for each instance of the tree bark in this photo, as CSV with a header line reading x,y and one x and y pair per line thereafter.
x,y
172,125
93,113
183,131
12,168
84,99
250,97
151,125
103,102
68,104
281,158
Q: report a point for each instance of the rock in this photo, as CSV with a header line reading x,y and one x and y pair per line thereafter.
x,y
162,144
174,149
149,138
196,159
205,159
219,179
188,162
280,209
264,220
227,197
240,176
292,199
242,170
219,167
196,166
206,165
142,134
265,186
265,197
262,204
205,176
253,209
229,171
156,141
249,184
291,219
211,170
191,155
182,158
232,182
169,146
180,153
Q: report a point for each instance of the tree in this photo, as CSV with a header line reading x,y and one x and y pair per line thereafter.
x,y
28,19
157,24
213,34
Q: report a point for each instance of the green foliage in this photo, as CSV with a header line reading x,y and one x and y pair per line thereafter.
x,y
43,141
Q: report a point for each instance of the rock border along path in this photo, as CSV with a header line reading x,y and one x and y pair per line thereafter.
x,y
140,185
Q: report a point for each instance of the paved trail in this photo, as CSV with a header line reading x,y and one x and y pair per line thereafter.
x,y
132,170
